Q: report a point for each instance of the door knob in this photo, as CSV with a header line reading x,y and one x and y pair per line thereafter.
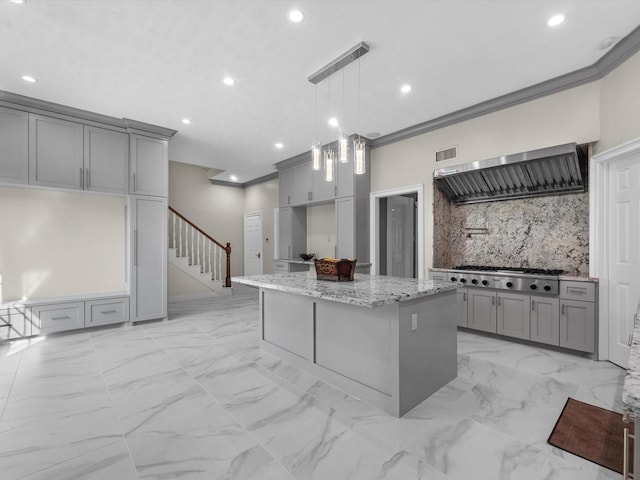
x,y
258,254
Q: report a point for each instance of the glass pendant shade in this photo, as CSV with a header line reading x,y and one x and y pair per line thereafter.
x,y
328,165
315,156
343,148
359,163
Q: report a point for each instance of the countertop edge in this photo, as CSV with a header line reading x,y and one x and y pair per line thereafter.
x,y
631,388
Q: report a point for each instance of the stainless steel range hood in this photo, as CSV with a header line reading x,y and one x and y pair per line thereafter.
x,y
547,171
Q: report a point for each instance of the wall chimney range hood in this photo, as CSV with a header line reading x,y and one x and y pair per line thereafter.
x,y
547,171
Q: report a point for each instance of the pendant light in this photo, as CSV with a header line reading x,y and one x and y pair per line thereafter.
x,y
343,149
359,164
329,165
316,148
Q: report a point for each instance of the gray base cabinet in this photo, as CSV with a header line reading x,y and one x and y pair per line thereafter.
x,y
482,310
149,166
57,318
545,320
577,325
14,146
513,316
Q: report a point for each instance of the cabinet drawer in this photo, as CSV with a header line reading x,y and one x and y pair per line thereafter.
x,y
572,290
105,312
280,267
14,323
57,318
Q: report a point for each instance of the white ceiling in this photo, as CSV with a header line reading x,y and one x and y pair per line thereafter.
x,y
158,61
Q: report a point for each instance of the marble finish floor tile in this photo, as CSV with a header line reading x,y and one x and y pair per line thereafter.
x,y
194,397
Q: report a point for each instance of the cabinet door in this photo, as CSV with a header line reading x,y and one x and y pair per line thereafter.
x,y
345,178
285,183
284,232
149,166
55,152
301,183
463,308
545,320
14,146
106,160
482,310
577,325
345,235
322,190
149,258
513,315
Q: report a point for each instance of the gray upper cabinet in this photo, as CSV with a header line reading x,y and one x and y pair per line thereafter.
x,y
345,179
106,160
285,183
55,152
345,228
14,146
295,184
149,166
322,190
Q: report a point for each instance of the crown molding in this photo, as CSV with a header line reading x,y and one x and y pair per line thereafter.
x,y
618,54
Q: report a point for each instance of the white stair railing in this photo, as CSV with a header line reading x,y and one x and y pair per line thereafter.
x,y
201,249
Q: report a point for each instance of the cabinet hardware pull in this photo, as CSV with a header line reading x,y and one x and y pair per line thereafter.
x,y
499,301
335,191
563,309
578,291
630,339
533,306
81,178
134,182
135,247
464,297
109,311
310,196
60,318
288,199
493,300
88,178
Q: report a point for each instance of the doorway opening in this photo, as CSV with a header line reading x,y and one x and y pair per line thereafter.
x,y
397,232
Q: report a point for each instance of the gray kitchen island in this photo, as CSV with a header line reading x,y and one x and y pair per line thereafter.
x,y
387,340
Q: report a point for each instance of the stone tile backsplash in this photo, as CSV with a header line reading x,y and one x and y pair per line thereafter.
x,y
538,232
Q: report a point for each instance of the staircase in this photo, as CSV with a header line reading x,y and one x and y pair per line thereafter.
x,y
197,254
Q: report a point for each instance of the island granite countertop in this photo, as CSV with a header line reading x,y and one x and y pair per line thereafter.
x,y
631,388
365,290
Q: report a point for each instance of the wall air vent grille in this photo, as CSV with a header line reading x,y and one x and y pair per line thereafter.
x,y
450,153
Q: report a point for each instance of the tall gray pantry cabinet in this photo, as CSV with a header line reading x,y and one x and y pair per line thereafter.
x,y
51,146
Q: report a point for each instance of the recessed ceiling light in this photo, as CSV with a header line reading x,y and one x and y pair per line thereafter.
x,y
556,20
186,121
333,121
233,178
279,145
228,81
405,88
296,16
20,2
29,78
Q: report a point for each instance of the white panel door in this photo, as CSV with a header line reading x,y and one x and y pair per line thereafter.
x,y
623,253
253,243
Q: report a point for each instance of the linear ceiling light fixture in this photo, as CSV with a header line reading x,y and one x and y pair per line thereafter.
x,y
338,64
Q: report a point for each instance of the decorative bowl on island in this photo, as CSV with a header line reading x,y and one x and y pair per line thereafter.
x,y
307,256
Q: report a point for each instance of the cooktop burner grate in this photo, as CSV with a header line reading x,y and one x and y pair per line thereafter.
x,y
525,270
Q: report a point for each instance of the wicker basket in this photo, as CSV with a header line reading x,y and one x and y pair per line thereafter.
x,y
335,270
